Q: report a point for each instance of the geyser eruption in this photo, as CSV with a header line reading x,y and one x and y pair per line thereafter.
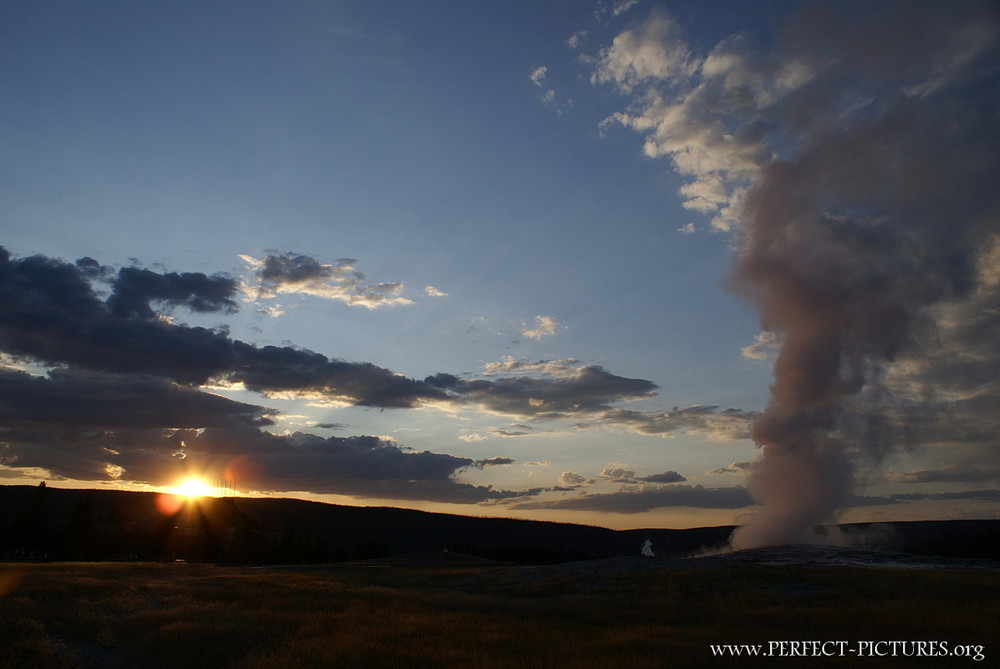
x,y
844,287
846,244
856,164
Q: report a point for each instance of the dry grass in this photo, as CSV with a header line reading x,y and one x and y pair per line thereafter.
x,y
196,615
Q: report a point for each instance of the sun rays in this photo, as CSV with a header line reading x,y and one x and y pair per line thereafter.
x,y
193,487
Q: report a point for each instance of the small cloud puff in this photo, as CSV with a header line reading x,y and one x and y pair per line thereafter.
x,y
572,479
544,326
765,347
538,76
576,39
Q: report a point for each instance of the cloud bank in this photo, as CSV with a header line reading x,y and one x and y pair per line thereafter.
x,y
128,392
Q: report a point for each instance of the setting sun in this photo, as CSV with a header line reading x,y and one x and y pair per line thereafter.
x,y
193,487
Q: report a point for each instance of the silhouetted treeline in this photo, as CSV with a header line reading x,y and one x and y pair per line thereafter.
x,y
41,522
52,523
49,523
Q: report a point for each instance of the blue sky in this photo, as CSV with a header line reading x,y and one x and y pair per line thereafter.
x,y
530,210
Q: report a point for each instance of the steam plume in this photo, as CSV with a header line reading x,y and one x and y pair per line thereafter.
x,y
855,164
845,246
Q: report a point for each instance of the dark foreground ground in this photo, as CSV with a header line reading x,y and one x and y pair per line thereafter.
x,y
448,610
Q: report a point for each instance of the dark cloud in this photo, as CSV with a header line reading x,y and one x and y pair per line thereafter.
x,y
493,462
949,472
287,369
631,499
648,499
710,421
664,477
945,389
78,399
124,400
360,466
296,268
50,313
568,389
92,269
135,289
140,455
986,495
561,393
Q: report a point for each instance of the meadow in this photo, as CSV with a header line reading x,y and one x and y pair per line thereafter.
x,y
620,613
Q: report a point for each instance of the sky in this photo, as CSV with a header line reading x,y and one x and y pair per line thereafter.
x,y
629,264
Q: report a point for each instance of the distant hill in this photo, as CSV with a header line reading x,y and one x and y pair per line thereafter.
x,y
38,522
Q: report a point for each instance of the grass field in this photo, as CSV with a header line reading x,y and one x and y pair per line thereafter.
x,y
581,615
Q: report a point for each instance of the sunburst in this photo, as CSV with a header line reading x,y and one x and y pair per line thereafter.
x,y
194,487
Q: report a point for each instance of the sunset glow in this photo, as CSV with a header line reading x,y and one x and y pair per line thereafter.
x,y
619,263
194,487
